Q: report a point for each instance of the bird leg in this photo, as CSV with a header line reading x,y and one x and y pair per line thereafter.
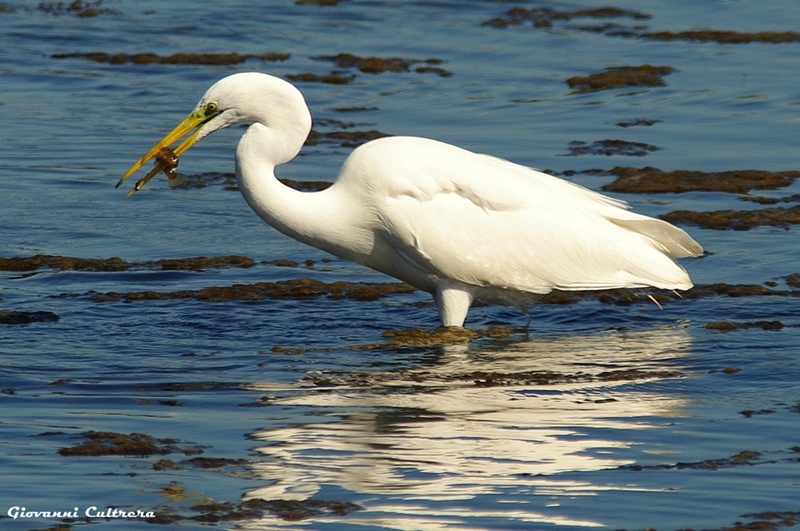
x,y
453,305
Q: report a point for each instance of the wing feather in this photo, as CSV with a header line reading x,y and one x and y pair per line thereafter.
x,y
483,221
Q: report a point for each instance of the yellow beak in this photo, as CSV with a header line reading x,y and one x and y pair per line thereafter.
x,y
192,122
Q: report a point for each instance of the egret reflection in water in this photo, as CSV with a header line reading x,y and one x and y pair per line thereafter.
x,y
435,433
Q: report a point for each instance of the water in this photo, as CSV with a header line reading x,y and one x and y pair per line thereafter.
x,y
699,430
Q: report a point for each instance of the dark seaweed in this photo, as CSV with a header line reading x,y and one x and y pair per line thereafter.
x,y
649,180
621,77
611,147
10,317
174,59
99,443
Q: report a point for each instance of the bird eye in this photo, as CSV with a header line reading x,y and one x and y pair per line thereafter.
x,y
212,107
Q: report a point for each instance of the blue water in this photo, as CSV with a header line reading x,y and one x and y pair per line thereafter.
x,y
405,433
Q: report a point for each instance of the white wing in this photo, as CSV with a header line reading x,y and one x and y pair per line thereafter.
x,y
453,215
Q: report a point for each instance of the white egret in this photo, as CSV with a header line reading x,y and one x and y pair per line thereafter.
x,y
457,224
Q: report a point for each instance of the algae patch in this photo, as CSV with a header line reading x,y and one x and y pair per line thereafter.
x,y
637,122
76,8
621,77
481,378
611,147
379,65
174,59
201,263
319,2
737,219
208,510
99,443
415,337
228,182
11,317
348,139
494,379
743,458
289,510
40,261
724,36
303,288
347,62
544,17
330,79
424,337
70,263
650,180
729,326
199,462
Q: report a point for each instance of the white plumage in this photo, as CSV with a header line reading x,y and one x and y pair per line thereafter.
x,y
460,225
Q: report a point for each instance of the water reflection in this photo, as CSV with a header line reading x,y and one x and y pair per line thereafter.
x,y
432,434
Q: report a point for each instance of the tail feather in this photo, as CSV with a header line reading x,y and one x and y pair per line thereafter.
x,y
669,239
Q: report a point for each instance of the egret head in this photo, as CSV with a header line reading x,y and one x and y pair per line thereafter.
x,y
239,98
204,120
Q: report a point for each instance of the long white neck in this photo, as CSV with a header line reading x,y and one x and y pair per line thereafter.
x,y
320,219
